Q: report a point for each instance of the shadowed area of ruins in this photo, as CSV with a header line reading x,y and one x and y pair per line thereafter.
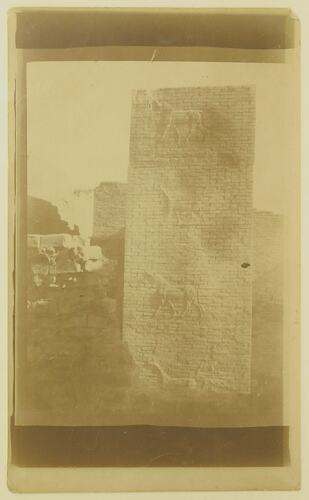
x,y
79,368
43,218
76,360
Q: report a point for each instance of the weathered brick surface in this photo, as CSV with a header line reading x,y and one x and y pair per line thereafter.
x,y
187,297
109,209
268,257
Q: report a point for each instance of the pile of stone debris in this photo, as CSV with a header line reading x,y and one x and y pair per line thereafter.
x,y
54,254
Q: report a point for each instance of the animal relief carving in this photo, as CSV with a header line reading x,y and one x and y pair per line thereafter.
x,y
183,124
165,378
181,204
181,299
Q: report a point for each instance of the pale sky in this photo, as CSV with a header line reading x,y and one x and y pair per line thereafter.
x,y
78,116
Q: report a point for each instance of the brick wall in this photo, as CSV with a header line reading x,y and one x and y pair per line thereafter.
x,y
268,255
187,295
109,209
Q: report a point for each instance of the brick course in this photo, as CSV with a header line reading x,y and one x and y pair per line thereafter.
x,y
109,209
189,231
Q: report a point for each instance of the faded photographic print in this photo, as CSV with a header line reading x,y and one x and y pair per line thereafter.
x,y
155,245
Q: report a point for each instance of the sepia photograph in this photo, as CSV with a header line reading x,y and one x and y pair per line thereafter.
x,y
156,266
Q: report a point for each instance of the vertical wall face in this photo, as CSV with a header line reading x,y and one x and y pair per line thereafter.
x,y
187,296
109,209
268,257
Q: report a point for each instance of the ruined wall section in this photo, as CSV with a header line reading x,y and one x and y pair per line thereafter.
x,y
109,209
268,257
188,249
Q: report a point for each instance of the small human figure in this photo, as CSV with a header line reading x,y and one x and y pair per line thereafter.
x,y
53,282
78,258
37,280
51,254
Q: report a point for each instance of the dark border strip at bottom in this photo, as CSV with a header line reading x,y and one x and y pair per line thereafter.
x,y
149,446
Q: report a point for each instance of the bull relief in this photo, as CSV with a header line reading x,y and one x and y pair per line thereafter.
x,y
187,293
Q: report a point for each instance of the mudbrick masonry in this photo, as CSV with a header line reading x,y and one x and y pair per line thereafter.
x,y
109,209
268,257
188,248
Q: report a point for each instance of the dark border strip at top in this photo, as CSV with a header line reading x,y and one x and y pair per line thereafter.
x,y
230,28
